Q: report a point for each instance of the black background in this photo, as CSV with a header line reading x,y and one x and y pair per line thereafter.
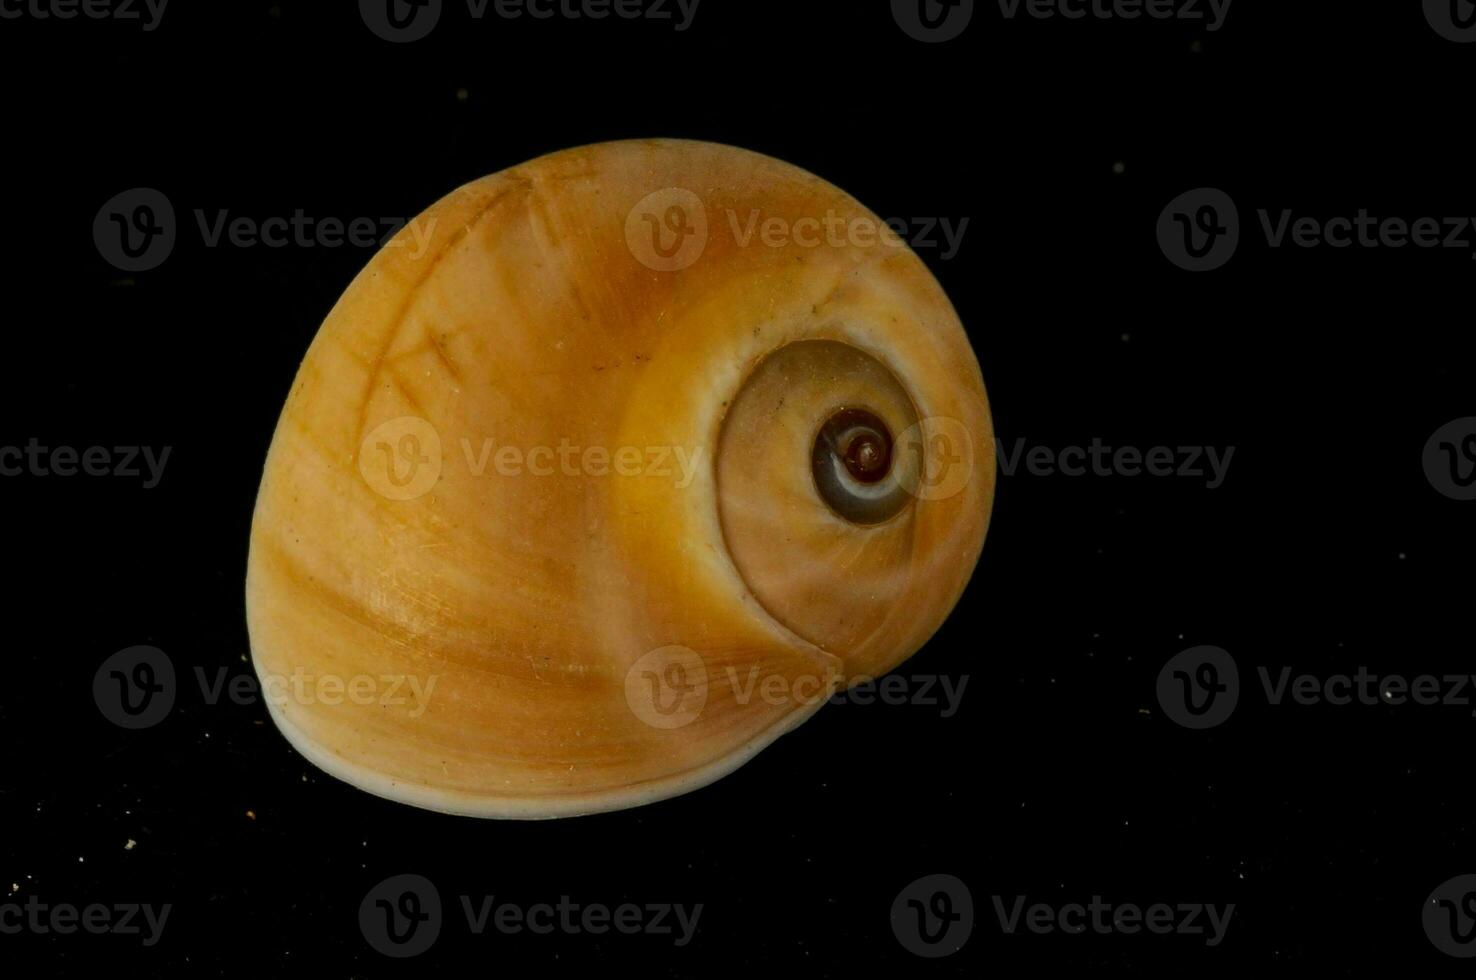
x,y
1060,778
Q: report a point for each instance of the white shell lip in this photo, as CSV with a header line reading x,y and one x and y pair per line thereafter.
x,y
542,807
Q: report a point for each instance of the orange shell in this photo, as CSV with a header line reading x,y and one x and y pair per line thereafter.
x,y
528,545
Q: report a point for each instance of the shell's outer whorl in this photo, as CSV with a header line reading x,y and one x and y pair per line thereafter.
x,y
490,570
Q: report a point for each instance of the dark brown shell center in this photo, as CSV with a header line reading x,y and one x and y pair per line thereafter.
x,y
868,453
853,454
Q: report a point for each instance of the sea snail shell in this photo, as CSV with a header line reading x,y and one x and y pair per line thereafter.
x,y
604,474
